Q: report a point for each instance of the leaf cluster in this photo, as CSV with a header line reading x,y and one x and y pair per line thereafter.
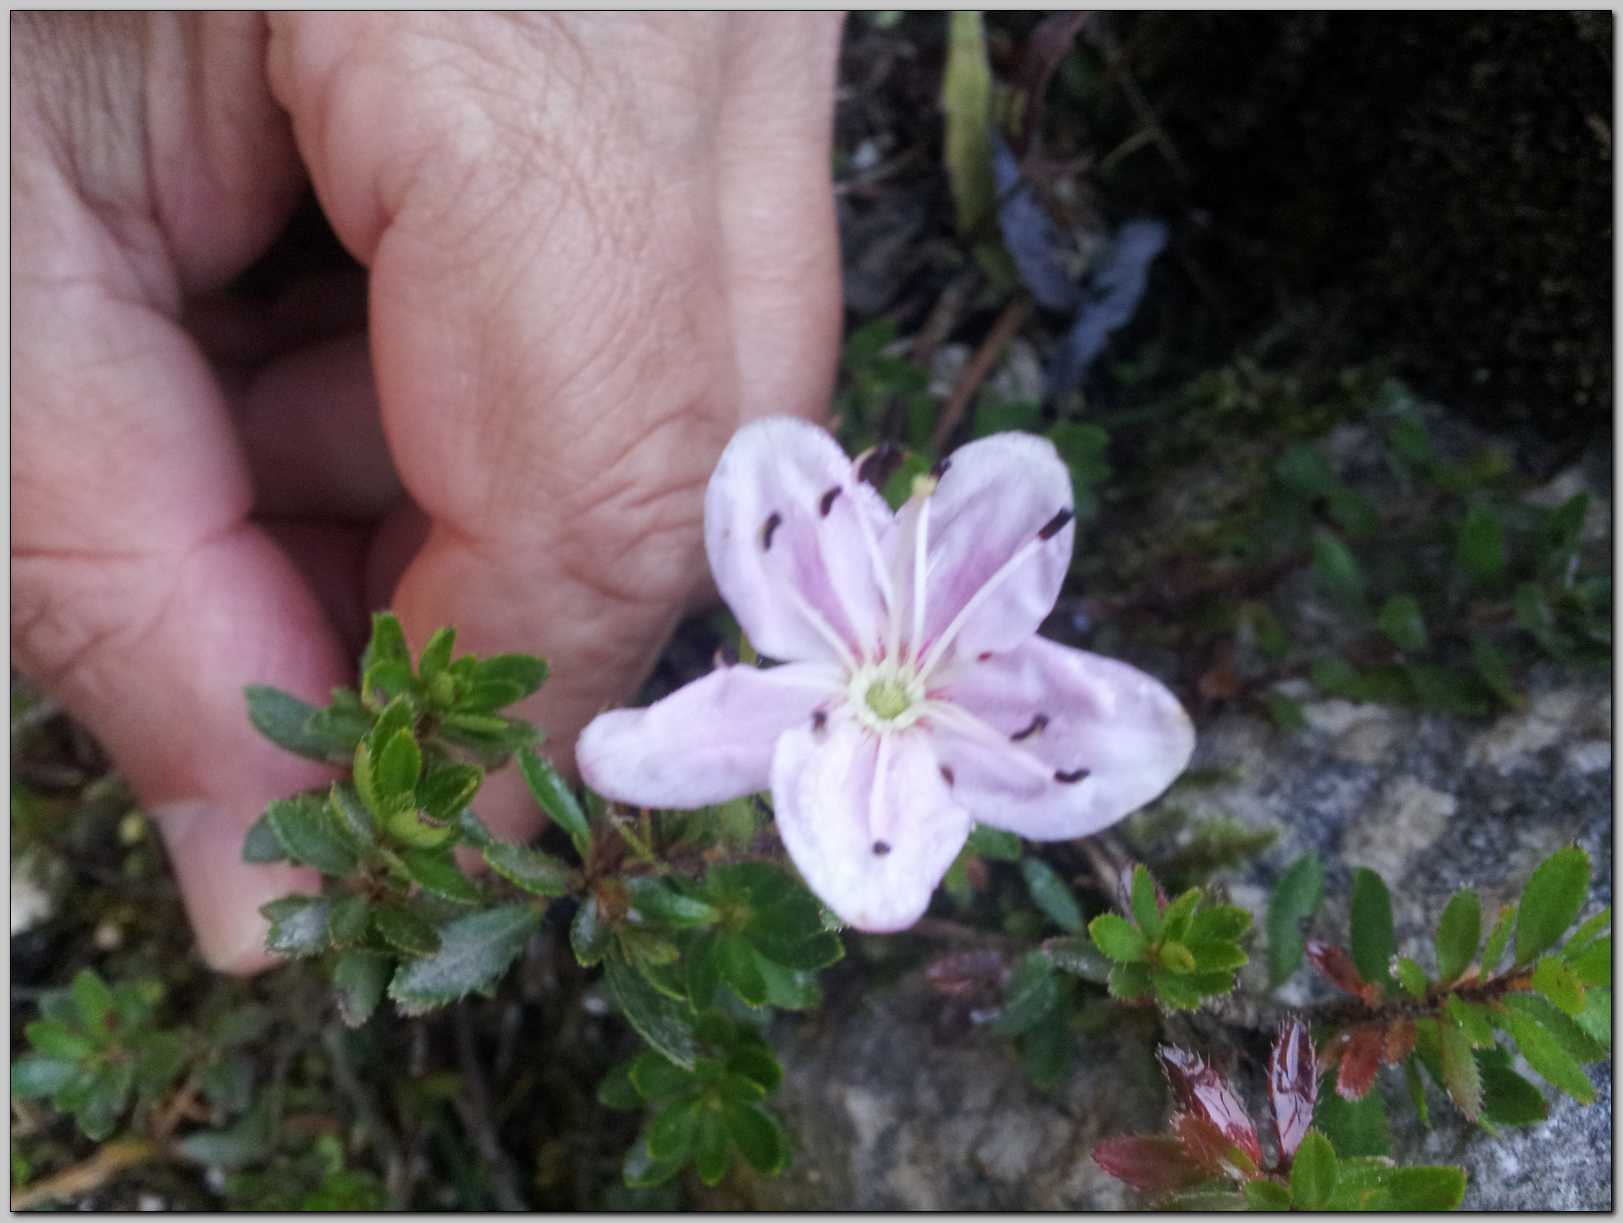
x,y
1177,953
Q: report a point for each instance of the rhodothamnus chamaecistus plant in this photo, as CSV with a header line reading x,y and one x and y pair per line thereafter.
x,y
914,696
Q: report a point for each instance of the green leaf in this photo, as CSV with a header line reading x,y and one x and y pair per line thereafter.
x,y
1118,938
1313,1172
658,901
1336,568
399,764
703,961
359,978
1555,980
474,951
589,935
532,870
502,679
712,1155
1177,993
672,1131
260,846
1295,898
994,843
1373,943
446,790
1460,1075
387,642
642,1171
1545,1054
1593,964
351,821
405,930
739,966
804,955
1401,621
1479,550
790,989
553,795
1287,714
1458,932
35,1076
1176,916
1596,1021
1129,982
298,925
1498,939
1304,471
308,834
1266,1195
756,1063
656,1078
966,99
1410,976
617,1092
1551,901
1568,1032
436,871
1493,669
285,721
1507,1098
1051,894
1032,994
348,920
436,655
660,1021
1424,1188
1591,927
1417,1091
1176,958
757,1134
93,1000
1355,1128
1472,1019
1142,900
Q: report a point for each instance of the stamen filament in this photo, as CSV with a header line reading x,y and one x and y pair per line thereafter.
x,y
822,627
944,642
920,552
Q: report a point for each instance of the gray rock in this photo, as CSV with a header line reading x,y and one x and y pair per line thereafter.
x,y
888,1113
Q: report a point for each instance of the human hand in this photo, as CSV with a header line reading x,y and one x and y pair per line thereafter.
x,y
594,245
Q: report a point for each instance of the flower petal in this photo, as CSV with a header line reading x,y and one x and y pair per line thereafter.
x,y
998,535
793,537
872,829
1076,741
707,742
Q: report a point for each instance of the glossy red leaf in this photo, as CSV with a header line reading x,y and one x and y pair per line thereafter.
x,y
1152,1163
1201,1090
1338,968
1293,1085
1360,1059
1208,1147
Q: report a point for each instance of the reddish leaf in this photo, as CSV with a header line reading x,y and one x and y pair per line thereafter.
x,y
1360,1059
1153,1164
1208,1147
1399,1041
1293,1085
962,974
1337,966
1199,1089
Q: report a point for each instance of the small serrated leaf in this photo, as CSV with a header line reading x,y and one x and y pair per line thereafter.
x,y
1118,938
298,925
530,869
1551,901
659,1020
757,1134
1460,1075
436,871
1545,1054
308,834
553,795
1373,942
1295,898
405,930
1555,979
1051,894
1493,951
1458,933
360,978
474,951
1313,1172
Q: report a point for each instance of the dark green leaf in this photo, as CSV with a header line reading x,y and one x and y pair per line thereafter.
x,y
657,1078
446,790
351,821
1498,939
531,869
1372,940
1494,670
986,842
617,1092
712,1155
642,1171
757,1135
1267,1195
1051,894
756,1063
35,1075
298,925
589,935
1589,929
672,1131
1336,568
805,955
1295,898
502,680
1458,932
1555,979
1305,472
1286,713
703,972
387,642
1313,1172
436,871
284,720
1401,621
474,951
359,978
309,835
789,989
1471,1018
1118,938
1480,548
1424,1188
405,930
1354,1127
1545,1054
1078,956
1031,996
93,1000
553,795
1593,964
660,1021
1507,1098
1551,901
260,846
1410,976
54,1038
247,1142
1568,1032
1460,1075
348,920
398,765
739,968
1417,1091
659,901
1143,901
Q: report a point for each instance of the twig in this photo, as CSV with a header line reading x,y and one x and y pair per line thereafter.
x,y
375,1131
980,365
109,1160
473,1106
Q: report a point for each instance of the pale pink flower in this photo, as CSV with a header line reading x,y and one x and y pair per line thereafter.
x,y
914,697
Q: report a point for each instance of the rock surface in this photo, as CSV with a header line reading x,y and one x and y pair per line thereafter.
x,y
890,1115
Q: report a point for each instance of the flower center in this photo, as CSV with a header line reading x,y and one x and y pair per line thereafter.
x,y
887,698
